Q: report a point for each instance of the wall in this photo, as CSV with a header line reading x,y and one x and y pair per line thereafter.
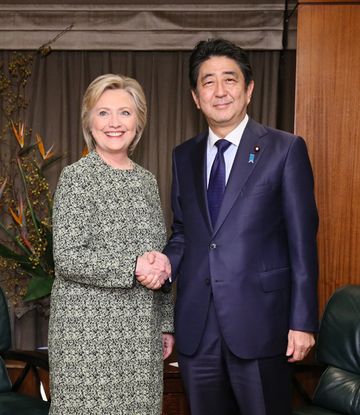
x,y
327,115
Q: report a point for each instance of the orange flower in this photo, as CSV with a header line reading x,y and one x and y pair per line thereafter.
x,y
85,151
19,133
26,241
19,216
44,154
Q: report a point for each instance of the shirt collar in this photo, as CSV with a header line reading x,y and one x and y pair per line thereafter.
x,y
234,136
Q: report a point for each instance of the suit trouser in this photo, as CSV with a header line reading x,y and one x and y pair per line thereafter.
x,y
219,383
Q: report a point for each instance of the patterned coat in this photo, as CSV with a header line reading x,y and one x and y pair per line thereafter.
x,y
105,344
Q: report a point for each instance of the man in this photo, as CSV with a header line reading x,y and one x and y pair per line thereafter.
x,y
245,256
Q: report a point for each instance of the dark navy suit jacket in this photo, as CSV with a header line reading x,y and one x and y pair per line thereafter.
x,y
259,261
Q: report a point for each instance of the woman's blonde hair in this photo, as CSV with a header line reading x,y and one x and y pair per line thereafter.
x,y
93,93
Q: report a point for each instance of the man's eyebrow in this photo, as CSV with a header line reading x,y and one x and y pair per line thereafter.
x,y
233,73
208,75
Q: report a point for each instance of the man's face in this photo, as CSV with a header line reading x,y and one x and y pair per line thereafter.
x,y
221,94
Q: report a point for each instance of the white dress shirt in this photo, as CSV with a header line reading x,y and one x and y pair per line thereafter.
x,y
234,137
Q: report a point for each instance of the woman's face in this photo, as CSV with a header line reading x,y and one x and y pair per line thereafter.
x,y
113,122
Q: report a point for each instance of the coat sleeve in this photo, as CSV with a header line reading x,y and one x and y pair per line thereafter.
x,y
75,258
167,311
302,223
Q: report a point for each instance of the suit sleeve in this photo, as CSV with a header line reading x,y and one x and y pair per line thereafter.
x,y
302,223
166,299
76,259
174,249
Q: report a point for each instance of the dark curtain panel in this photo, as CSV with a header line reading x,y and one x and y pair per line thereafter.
x,y
59,80
286,91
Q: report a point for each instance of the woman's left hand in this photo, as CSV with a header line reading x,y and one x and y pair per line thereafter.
x,y
168,341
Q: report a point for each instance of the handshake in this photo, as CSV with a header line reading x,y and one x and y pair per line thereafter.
x,y
152,269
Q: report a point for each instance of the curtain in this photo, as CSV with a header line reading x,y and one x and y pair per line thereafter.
x,y
55,91
143,25
59,81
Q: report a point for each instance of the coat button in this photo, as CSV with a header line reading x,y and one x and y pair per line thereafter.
x,y
212,246
207,281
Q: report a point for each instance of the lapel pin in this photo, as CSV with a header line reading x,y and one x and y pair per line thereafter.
x,y
256,149
251,158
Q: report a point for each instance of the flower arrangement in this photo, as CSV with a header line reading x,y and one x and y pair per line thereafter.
x,y
26,258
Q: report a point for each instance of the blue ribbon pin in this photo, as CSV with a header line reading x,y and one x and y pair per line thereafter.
x,y
251,158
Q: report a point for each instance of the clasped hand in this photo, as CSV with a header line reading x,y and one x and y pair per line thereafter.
x,y
152,269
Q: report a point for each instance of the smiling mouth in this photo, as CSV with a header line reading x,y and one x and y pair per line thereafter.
x,y
115,133
222,104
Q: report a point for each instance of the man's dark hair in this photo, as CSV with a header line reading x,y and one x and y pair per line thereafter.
x,y
205,49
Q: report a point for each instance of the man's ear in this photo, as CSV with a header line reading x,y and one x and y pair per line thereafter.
x,y
249,91
195,98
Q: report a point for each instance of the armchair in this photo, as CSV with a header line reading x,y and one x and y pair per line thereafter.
x,y
338,390
12,402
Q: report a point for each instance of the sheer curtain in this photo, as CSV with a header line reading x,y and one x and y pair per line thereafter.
x,y
59,80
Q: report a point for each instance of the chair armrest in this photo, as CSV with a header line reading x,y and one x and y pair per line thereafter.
x,y
32,361
34,358
306,375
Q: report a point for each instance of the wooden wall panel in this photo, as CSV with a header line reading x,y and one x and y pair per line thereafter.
x,y
327,115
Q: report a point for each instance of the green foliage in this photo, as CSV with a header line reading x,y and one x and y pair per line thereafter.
x,y
26,258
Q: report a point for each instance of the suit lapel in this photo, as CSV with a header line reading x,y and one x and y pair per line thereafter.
x,y
245,163
200,179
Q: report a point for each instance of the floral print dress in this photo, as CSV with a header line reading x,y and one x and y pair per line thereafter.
x,y
105,343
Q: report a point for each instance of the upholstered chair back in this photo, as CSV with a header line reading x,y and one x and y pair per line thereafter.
x,y
339,348
338,390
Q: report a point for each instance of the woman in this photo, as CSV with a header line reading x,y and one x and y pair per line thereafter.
x,y
107,328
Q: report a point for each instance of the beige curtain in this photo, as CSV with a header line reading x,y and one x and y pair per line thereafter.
x,y
59,81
